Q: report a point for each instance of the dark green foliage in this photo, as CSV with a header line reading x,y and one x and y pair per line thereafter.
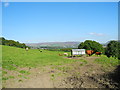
x,y
91,45
66,49
119,50
113,49
61,49
3,41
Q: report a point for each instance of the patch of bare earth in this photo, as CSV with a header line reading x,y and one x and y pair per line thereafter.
x,y
91,75
74,75
36,79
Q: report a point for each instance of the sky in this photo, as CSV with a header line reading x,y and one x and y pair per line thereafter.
x,y
35,22
60,0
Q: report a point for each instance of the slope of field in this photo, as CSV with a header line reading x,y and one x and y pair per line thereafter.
x,y
46,69
16,57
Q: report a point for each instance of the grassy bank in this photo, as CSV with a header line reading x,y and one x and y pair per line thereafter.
x,y
105,61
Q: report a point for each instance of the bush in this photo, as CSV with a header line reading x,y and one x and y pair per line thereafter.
x,y
113,49
66,49
91,45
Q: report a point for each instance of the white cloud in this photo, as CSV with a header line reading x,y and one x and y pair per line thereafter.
x,y
6,4
96,34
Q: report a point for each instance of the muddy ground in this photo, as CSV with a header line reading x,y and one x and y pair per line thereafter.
x,y
75,75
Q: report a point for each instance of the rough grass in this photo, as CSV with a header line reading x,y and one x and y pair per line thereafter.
x,y
105,61
13,57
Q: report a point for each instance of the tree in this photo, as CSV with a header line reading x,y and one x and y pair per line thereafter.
x,y
91,45
112,49
3,41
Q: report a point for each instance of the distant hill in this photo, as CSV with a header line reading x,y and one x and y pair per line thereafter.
x,y
54,44
105,44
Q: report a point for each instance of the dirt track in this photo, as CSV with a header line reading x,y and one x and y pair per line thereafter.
x,y
80,75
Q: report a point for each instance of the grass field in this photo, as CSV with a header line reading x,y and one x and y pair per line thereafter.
x,y
105,61
13,59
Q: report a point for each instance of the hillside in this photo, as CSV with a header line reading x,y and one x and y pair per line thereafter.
x,y
54,44
46,69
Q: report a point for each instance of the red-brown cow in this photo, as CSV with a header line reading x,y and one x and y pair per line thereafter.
x,y
89,52
60,54
98,53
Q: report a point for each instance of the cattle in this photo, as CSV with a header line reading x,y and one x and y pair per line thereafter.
x,y
60,54
89,52
26,49
98,53
66,54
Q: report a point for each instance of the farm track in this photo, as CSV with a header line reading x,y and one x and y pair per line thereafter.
x,y
79,75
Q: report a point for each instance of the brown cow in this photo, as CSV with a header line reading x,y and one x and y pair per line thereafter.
x,y
98,53
60,54
89,52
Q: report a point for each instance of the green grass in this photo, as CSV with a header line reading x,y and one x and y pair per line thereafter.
x,y
52,76
16,57
24,72
11,77
6,78
13,58
63,68
84,61
105,61
20,80
4,72
22,76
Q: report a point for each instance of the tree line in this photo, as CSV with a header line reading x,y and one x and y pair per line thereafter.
x,y
111,50
6,42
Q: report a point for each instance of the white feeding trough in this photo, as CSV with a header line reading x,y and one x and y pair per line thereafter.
x,y
77,52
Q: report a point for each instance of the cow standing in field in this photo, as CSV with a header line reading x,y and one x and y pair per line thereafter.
x,y
26,49
89,52
98,53
66,54
60,54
